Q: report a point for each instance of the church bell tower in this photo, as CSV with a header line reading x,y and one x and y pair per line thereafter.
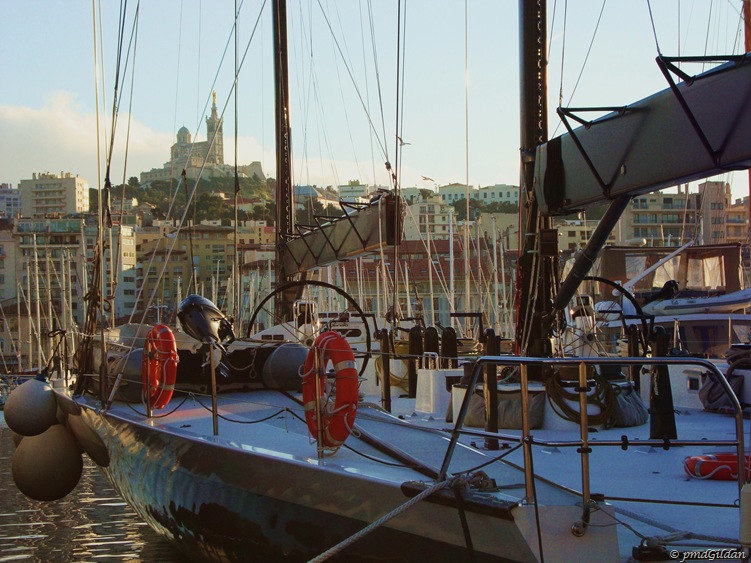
x,y
214,131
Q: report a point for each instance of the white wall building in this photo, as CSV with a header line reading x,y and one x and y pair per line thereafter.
x,y
498,193
353,193
432,216
501,193
47,195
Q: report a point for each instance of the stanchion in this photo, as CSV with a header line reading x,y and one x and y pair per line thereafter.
x,y
415,356
386,365
491,390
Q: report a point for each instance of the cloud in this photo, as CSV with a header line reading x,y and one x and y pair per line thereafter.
x,y
61,137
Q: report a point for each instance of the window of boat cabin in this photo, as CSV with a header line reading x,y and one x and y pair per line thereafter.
x,y
706,273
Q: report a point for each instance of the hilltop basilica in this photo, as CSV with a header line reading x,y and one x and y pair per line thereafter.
x,y
209,155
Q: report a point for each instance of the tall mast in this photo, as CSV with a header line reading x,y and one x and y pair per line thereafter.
x,y
747,44
284,203
536,271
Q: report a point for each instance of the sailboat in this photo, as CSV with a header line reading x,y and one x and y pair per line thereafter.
x,y
281,470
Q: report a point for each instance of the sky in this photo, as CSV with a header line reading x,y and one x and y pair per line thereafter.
x,y
455,106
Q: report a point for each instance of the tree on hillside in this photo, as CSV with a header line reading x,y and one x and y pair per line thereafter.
x,y
311,207
501,207
212,207
475,208
264,213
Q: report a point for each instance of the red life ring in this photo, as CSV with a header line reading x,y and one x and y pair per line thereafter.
x,y
159,366
337,421
722,466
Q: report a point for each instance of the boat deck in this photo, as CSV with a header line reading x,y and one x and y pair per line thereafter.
x,y
646,484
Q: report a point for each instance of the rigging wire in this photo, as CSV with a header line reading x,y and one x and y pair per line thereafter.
x,y
589,51
115,254
191,194
400,102
237,275
584,64
381,143
552,27
397,131
654,28
706,37
342,94
563,52
92,310
367,89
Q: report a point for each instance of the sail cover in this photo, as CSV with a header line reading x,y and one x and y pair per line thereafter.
x,y
362,230
696,128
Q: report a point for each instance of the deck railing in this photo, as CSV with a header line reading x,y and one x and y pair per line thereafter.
x,y
583,444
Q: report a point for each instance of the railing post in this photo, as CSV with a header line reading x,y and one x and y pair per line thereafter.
x,y
633,351
529,476
212,368
317,375
386,367
491,390
415,356
580,527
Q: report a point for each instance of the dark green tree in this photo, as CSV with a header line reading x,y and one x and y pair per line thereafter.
x,y
475,208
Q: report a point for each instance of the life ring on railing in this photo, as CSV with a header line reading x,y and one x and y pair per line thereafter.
x,y
159,366
722,466
338,421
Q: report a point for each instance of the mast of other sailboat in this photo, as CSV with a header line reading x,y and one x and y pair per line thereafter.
x,y
537,269
747,44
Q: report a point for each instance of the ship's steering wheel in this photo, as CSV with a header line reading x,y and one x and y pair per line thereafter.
x,y
298,287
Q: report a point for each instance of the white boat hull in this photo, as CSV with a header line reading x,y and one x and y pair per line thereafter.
x,y
728,303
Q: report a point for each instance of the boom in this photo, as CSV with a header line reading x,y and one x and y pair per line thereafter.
x,y
696,128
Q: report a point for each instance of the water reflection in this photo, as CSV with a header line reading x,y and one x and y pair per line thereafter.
x,y
91,523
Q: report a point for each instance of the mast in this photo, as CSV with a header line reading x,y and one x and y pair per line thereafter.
x,y
747,44
37,295
494,304
284,204
451,266
536,267
430,268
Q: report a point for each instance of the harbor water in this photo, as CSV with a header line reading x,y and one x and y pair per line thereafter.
x,y
91,524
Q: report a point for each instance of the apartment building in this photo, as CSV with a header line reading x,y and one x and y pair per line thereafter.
x,y
199,261
736,222
431,218
668,218
48,194
497,193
